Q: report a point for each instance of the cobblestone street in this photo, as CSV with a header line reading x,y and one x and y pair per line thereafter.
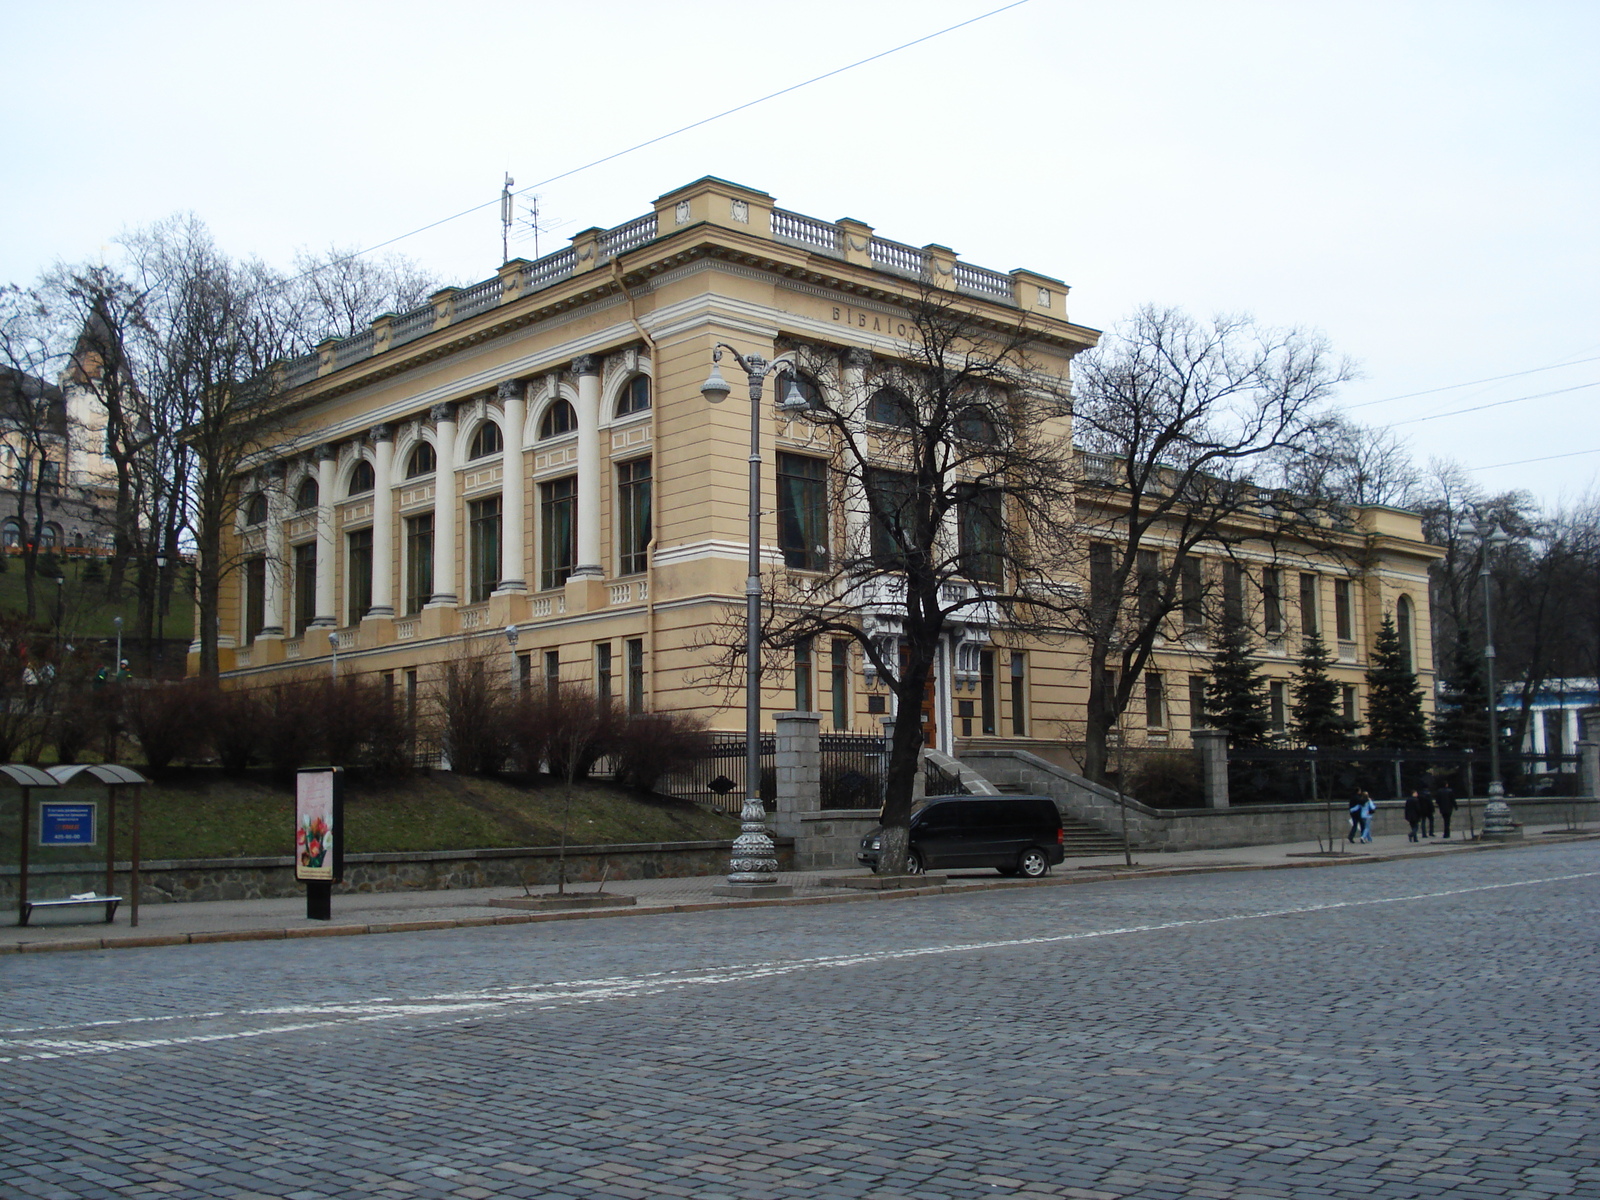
x,y
1406,1029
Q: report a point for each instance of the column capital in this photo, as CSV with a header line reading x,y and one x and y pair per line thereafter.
x,y
442,412
586,364
855,356
380,433
327,452
510,389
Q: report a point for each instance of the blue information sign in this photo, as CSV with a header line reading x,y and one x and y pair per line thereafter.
x,y
66,824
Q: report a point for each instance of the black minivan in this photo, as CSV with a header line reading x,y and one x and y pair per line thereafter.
x,y
1017,835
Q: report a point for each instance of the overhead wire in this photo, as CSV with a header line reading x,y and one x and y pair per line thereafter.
x,y
1450,387
728,112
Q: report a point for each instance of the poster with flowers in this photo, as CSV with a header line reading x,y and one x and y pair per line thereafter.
x,y
316,825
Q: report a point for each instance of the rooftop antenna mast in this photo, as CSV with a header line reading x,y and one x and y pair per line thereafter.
x,y
506,213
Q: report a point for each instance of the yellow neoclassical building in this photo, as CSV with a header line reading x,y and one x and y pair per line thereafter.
x,y
533,454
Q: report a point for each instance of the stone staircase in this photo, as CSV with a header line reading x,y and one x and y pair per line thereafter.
x,y
1080,839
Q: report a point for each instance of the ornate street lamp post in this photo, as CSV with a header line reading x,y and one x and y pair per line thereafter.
x,y
1497,820
753,869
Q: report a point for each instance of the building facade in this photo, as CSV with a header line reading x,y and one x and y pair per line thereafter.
x,y
533,454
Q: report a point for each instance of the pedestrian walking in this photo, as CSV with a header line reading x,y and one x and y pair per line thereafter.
x,y
1445,801
1426,796
1355,820
1414,814
1369,809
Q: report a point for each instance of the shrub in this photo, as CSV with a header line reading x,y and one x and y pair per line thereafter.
x,y
287,716
235,728
473,716
169,720
647,746
1164,778
565,732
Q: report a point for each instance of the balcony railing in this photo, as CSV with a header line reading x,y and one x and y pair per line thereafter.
x,y
807,231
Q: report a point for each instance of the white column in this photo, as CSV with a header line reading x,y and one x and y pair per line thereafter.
x,y
444,505
327,463
514,405
856,363
382,438
277,566
587,369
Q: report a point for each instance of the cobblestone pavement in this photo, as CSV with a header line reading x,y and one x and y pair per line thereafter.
x,y
1409,1029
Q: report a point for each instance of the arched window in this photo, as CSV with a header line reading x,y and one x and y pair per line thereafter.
x,y
558,419
1403,626
890,407
307,495
807,386
973,424
11,534
362,479
255,509
50,536
635,396
423,461
486,441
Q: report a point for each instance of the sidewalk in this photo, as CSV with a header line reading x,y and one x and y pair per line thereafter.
x,y
400,912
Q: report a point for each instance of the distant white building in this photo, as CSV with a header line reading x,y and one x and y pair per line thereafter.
x,y
1555,727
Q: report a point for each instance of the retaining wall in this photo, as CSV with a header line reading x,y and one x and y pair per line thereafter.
x,y
265,878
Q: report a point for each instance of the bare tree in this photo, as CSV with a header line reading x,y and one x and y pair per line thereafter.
x,y
336,294
1184,425
951,459
1355,464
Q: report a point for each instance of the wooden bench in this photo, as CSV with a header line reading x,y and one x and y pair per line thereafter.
x,y
110,902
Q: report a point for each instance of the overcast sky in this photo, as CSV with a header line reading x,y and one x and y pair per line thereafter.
x,y
1416,180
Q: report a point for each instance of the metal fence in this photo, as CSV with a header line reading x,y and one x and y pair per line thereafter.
x,y
718,778
1298,776
852,769
936,781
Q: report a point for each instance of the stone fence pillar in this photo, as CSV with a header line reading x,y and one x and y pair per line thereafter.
x,y
799,770
1212,747
1589,752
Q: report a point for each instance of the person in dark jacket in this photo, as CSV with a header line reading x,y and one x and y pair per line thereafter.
x,y
1414,812
1445,801
1426,796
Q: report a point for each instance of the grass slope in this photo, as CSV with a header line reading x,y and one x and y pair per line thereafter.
x,y
206,814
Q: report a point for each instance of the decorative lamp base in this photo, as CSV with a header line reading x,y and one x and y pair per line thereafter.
x,y
1498,823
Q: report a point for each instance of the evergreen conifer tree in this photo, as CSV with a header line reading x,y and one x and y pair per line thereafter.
x,y
1318,717
1461,722
1394,704
1235,698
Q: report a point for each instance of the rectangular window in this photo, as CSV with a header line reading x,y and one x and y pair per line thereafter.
x,y
839,681
803,512
635,652
49,476
1155,700
524,673
358,575
889,497
552,672
1192,584
1272,600
483,524
1309,597
411,694
1233,593
1108,692
1149,576
1019,695
305,586
1102,598
255,598
419,561
964,711
603,672
1278,696
1348,692
1197,702
986,691
802,675
1344,612
979,528
633,527
558,531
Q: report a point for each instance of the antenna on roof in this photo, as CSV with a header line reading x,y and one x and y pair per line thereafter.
x,y
506,212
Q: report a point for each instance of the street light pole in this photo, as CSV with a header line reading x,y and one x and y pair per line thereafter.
x,y
161,612
1497,821
516,676
753,868
117,621
333,647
